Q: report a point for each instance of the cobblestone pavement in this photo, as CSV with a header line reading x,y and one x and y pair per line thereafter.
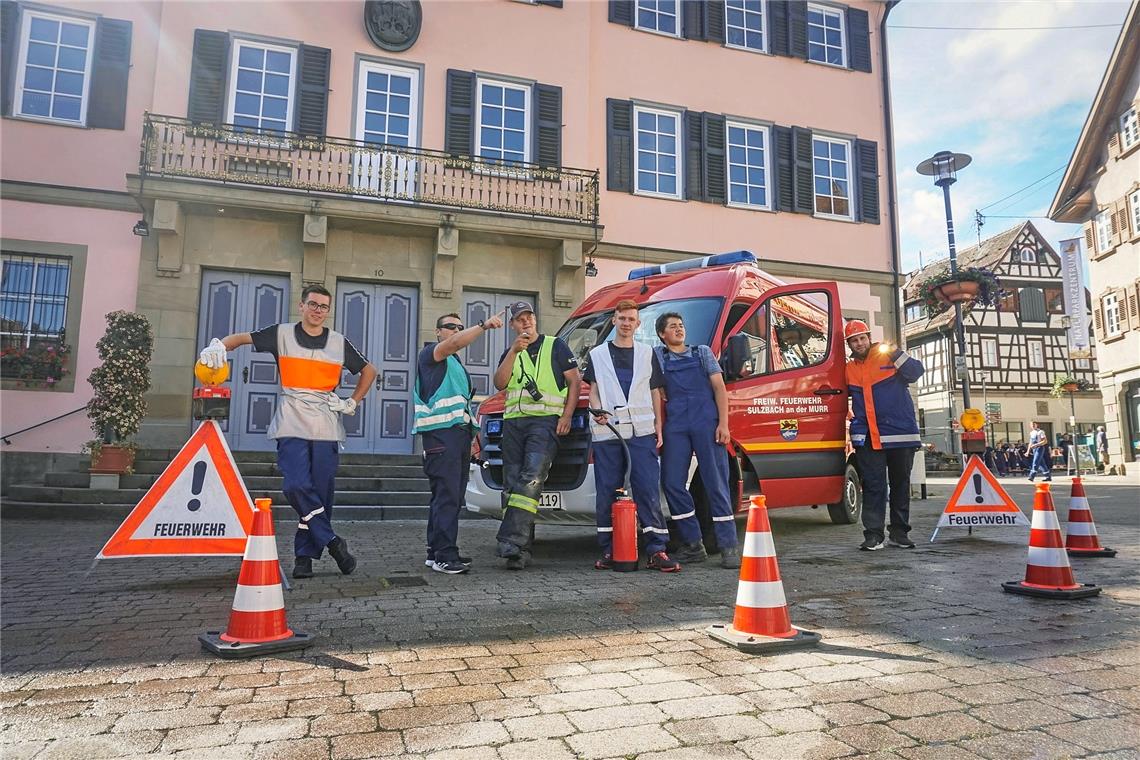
x,y
923,656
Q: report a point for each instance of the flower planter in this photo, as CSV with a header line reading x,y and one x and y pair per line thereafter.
x,y
957,291
113,460
1071,387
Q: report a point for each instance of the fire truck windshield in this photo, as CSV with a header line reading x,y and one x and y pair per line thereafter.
x,y
700,316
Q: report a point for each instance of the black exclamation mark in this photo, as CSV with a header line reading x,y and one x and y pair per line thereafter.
x,y
196,486
977,489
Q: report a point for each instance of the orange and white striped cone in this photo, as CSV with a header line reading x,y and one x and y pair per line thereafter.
x,y
257,621
761,622
1048,573
1082,540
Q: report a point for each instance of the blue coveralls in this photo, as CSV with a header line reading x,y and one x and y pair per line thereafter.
x,y
308,474
691,419
447,458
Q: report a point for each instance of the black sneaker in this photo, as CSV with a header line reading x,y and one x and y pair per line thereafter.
x,y
730,558
508,550
872,545
604,562
303,567
901,542
338,550
694,552
451,568
431,560
660,561
518,562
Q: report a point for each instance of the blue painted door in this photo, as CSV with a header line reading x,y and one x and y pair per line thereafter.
x,y
233,302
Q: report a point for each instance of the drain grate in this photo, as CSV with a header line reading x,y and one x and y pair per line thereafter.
x,y
403,581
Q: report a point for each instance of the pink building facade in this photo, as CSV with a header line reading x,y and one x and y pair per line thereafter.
x,y
421,158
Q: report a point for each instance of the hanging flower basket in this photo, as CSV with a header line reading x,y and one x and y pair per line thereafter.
x,y
969,286
957,291
1066,383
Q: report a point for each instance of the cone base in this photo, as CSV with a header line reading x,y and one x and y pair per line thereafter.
x,y
212,642
625,567
750,643
1019,587
1103,551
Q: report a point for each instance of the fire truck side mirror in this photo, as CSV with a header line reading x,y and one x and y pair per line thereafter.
x,y
735,355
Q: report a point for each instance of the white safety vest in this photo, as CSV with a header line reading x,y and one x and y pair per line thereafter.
x,y
634,413
308,378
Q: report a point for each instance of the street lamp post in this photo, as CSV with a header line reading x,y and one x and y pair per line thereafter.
x,y
944,166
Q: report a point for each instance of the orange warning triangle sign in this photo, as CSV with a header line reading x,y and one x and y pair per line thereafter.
x,y
978,500
198,506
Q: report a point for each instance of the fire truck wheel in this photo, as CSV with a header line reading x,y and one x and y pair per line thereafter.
x,y
849,510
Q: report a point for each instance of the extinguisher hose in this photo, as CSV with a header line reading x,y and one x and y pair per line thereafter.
x,y
624,447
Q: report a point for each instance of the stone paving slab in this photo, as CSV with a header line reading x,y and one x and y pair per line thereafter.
x,y
923,656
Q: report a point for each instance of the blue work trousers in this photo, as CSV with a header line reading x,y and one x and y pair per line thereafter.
x,y
881,469
529,447
645,481
447,462
308,478
680,443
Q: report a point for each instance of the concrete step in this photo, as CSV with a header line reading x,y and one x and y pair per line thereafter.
x,y
64,495
165,455
284,515
82,480
250,469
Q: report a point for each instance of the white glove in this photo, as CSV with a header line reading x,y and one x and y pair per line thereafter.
x,y
214,355
346,406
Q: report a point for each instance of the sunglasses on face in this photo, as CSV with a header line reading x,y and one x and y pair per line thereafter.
x,y
321,307
451,326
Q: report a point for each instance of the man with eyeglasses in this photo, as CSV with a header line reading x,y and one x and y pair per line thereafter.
x,y
443,418
307,423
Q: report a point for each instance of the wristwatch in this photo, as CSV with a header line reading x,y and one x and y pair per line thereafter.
x,y
482,324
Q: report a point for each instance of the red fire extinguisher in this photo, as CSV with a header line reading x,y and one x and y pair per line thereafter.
x,y
624,511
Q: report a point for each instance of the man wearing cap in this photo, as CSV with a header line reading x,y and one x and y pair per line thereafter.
x,y
884,432
540,375
307,423
443,394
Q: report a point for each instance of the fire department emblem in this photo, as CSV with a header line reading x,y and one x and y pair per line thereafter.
x,y
789,429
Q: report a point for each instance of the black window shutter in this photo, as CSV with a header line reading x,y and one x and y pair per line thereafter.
x,y
778,27
312,91
693,19
858,40
9,28
694,156
551,3
110,68
547,126
459,128
867,171
784,191
208,76
619,145
804,174
621,12
797,29
716,181
714,21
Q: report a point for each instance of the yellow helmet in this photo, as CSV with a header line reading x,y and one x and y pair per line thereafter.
x,y
211,377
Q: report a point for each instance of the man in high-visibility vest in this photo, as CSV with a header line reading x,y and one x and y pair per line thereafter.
x,y
307,424
443,419
540,375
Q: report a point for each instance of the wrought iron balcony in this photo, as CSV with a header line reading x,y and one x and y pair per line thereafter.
x,y
176,147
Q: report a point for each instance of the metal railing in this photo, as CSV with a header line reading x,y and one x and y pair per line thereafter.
x,y
176,147
6,436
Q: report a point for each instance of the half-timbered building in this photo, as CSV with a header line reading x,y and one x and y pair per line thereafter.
x,y
1013,350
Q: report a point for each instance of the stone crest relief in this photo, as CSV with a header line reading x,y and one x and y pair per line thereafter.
x,y
393,25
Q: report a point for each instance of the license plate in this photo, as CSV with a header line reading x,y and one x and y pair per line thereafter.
x,y
551,500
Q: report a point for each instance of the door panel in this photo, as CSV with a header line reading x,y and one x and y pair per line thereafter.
x,y
381,321
481,358
233,302
792,400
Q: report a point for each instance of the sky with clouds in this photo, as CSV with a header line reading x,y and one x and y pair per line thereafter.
x,y
1014,99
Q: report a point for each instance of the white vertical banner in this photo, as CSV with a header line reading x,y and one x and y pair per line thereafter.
x,y
1074,292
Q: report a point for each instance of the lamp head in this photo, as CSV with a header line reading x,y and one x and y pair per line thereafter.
x,y
944,166
141,228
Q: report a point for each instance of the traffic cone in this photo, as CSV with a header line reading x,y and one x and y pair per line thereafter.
x,y
257,621
761,621
1082,540
1048,573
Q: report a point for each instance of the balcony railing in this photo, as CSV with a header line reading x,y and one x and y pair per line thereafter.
x,y
175,147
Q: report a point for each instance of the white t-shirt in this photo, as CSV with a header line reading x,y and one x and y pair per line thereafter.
x,y
1036,436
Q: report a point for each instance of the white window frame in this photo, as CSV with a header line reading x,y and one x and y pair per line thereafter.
x,y
1036,353
1026,255
1113,315
762,13
914,312
26,16
989,352
828,10
767,166
367,67
677,156
1134,209
1129,129
480,84
657,14
1103,231
231,85
1082,363
850,216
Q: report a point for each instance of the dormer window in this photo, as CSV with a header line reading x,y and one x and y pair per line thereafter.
x,y
1028,255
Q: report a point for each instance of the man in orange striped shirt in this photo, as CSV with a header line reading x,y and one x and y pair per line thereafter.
x,y
307,424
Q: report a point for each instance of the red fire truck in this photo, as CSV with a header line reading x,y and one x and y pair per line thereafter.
x,y
782,350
